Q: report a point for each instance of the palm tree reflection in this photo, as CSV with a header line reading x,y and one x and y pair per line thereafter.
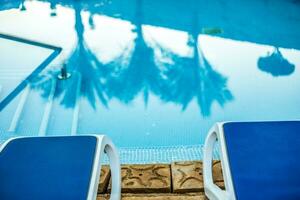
x,y
138,71
8,4
194,77
275,64
141,74
53,8
87,72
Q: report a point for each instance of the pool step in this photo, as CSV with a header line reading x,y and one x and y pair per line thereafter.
x,y
76,108
19,110
47,111
62,114
0,90
30,111
7,115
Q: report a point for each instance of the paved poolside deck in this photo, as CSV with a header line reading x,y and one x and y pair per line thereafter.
x,y
175,181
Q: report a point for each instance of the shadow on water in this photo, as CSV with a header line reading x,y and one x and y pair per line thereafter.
x,y
138,71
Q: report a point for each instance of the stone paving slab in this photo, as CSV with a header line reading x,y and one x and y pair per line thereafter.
x,y
104,179
158,196
187,176
155,178
217,174
181,177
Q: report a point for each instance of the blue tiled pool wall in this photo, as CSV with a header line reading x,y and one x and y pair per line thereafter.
x,y
162,154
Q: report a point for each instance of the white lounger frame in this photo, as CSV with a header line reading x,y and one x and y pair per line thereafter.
x,y
212,191
104,145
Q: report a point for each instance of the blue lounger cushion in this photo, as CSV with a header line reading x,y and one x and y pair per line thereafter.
x,y
57,167
264,159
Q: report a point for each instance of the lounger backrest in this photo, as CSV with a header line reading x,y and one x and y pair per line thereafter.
x,y
47,168
264,159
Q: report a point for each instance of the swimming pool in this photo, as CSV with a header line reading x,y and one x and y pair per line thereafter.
x,y
152,75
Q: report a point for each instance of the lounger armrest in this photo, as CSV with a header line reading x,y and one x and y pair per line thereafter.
x,y
107,147
113,156
212,191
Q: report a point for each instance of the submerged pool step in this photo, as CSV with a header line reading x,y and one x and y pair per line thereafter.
x,y
62,112
29,112
48,108
7,115
15,110
76,108
19,110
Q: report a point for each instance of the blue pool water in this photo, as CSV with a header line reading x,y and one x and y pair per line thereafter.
x,y
152,75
